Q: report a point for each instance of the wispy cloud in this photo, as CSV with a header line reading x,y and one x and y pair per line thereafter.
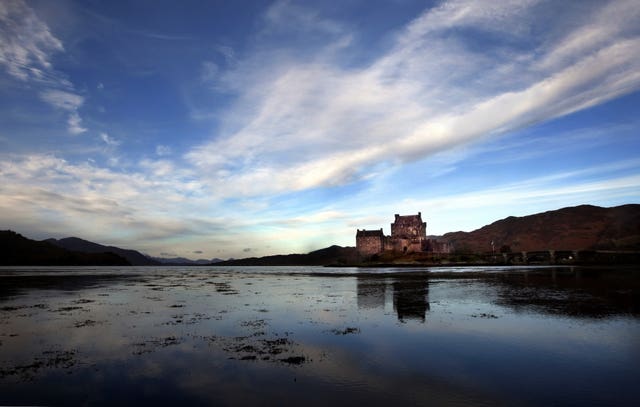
x,y
431,91
74,124
26,48
285,15
313,137
163,150
51,194
67,101
108,140
26,43
62,99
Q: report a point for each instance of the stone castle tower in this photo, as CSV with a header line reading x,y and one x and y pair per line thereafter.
x,y
408,235
370,242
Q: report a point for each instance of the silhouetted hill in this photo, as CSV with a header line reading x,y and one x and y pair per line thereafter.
x,y
135,258
581,227
183,261
330,255
17,250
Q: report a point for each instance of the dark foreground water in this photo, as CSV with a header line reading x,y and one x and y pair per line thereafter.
x,y
317,336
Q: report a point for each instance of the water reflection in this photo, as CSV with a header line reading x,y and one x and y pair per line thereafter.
x,y
411,299
574,292
372,292
201,337
410,295
15,284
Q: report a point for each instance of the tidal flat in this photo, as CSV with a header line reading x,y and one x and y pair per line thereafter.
x,y
319,336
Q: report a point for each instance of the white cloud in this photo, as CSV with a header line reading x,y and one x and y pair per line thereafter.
x,y
26,47
159,168
108,140
310,122
62,99
283,15
51,194
69,102
613,22
26,43
74,124
311,118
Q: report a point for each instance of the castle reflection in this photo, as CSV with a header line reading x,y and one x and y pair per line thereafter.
x,y
410,295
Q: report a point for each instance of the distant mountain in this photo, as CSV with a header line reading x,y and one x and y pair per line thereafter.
x,y
183,261
135,258
576,228
17,250
330,255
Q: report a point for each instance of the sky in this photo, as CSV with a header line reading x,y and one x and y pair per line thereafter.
x,y
227,129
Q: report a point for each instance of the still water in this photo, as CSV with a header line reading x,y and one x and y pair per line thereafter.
x,y
318,336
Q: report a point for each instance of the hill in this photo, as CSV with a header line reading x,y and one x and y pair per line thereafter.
x,y
134,257
17,250
183,261
330,255
583,227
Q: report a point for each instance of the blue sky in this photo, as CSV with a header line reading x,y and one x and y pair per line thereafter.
x,y
234,129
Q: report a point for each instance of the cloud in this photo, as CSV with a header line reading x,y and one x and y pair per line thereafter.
x,y
313,121
26,43
108,140
309,111
74,124
286,16
228,53
46,192
163,150
26,47
62,99
69,102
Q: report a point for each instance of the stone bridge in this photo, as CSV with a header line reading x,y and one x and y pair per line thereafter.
x,y
564,257
542,256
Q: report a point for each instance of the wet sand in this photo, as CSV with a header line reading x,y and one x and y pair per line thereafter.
x,y
274,336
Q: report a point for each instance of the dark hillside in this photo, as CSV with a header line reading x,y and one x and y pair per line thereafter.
x,y
582,227
330,255
17,250
75,244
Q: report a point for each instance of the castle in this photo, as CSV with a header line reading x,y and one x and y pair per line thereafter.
x,y
408,235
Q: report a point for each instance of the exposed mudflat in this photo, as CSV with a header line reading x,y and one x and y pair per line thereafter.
x,y
211,336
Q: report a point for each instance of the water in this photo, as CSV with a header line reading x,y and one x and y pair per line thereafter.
x,y
292,335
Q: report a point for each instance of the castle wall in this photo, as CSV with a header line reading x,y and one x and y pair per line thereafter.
x,y
369,242
369,245
401,245
388,243
435,246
